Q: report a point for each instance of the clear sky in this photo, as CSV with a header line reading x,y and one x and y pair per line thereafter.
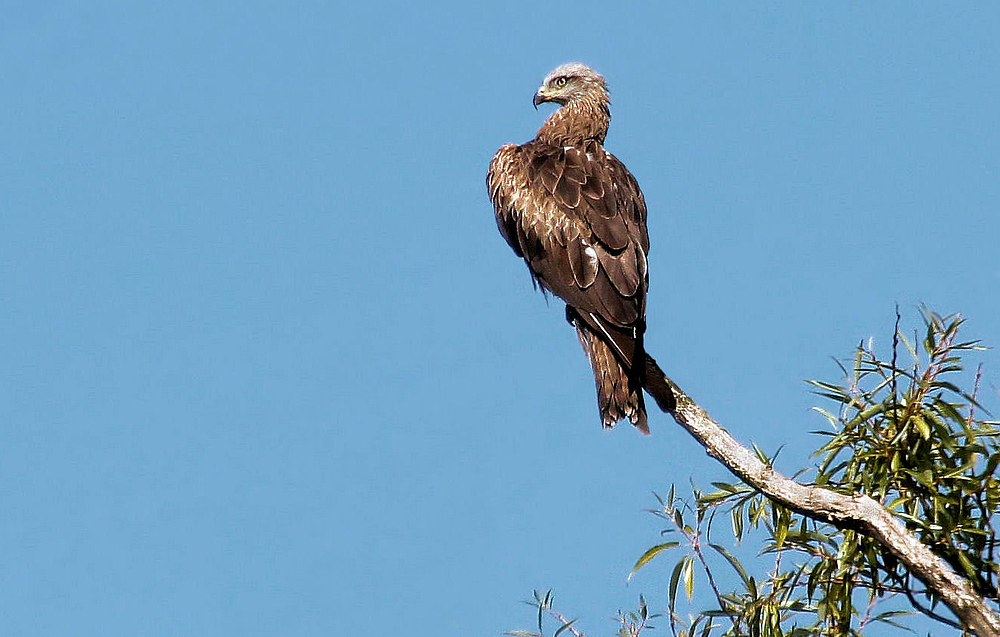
x,y
268,368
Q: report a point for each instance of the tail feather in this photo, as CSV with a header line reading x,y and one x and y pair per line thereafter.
x,y
620,377
619,393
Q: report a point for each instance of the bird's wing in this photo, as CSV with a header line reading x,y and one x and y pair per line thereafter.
x,y
577,217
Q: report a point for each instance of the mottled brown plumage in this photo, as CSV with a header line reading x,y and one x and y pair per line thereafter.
x,y
576,216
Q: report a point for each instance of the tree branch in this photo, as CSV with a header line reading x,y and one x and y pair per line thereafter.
x,y
858,512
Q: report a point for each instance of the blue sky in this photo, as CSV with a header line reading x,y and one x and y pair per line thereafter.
x,y
267,367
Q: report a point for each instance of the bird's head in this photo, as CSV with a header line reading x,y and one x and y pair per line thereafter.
x,y
571,82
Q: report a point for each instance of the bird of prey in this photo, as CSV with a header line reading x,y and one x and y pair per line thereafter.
x,y
576,216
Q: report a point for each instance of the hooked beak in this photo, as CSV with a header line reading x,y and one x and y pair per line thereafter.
x,y
538,99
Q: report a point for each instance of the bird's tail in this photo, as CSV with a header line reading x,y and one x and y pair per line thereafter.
x,y
619,393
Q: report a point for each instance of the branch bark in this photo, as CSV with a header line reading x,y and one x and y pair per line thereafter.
x,y
858,512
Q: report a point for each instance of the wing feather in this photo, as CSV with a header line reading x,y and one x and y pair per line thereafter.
x,y
617,309
567,192
501,180
584,262
577,217
622,269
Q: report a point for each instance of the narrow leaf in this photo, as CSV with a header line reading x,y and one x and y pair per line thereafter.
x,y
735,563
689,578
650,554
675,577
564,627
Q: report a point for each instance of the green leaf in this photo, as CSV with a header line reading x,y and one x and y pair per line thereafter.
x,y
830,417
689,579
735,563
709,499
925,477
731,488
675,577
564,627
650,554
760,454
960,470
896,461
866,415
949,410
780,531
967,566
991,464
737,519
922,427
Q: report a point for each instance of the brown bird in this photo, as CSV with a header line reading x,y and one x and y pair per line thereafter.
x,y
576,216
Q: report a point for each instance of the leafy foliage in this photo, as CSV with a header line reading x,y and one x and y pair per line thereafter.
x,y
920,450
632,623
905,434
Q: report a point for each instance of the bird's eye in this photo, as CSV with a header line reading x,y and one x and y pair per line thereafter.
x,y
560,82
